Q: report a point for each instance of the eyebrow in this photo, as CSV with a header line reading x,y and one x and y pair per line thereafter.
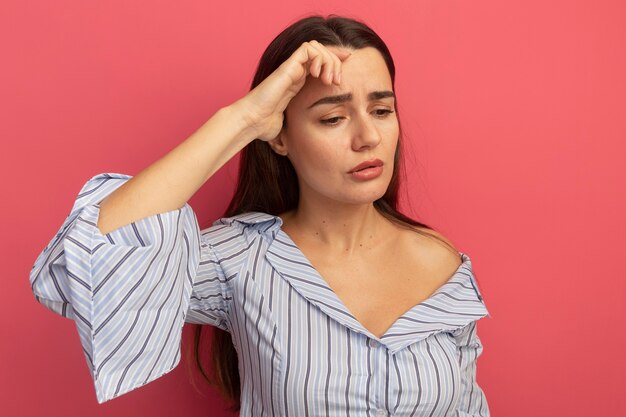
x,y
342,98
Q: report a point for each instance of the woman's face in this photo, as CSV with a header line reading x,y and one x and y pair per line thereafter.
x,y
330,141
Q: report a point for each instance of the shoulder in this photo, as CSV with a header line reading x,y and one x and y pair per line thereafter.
x,y
435,236
232,240
436,255
242,226
250,219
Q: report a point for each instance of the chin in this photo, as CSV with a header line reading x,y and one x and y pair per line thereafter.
x,y
365,197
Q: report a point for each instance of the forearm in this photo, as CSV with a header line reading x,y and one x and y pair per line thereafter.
x,y
171,181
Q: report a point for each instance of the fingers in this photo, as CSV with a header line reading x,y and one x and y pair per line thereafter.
x,y
326,64
337,55
324,59
342,54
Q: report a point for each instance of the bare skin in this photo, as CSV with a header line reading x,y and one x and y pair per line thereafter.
x,y
382,277
379,270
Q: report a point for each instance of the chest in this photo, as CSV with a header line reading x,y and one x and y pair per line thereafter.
x,y
380,289
301,352
304,358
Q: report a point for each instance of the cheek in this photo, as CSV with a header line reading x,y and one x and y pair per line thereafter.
x,y
315,153
311,158
392,133
393,138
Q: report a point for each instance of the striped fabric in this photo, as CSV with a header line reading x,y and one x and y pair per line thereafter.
x,y
301,352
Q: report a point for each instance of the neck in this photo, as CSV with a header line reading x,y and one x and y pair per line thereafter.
x,y
344,228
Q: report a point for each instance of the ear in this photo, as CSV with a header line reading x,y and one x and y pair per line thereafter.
x,y
279,144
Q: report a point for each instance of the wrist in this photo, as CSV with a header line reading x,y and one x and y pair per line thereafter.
x,y
244,118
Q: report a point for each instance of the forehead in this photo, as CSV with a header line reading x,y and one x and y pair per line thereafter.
x,y
362,72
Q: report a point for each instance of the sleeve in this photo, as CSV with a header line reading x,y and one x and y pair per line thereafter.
x,y
129,291
469,347
212,294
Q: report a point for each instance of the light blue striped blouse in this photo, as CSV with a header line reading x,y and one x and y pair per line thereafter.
x,y
301,352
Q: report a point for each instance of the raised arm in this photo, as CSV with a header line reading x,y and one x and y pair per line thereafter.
x,y
172,180
126,260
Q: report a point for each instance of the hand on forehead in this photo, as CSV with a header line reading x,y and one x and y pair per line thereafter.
x,y
364,70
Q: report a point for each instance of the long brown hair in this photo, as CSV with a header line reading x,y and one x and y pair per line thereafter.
x,y
268,183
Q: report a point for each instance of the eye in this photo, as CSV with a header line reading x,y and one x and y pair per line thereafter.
x,y
383,112
332,121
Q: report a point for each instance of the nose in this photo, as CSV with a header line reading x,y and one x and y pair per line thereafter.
x,y
366,134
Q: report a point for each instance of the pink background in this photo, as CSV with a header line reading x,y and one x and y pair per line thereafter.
x,y
515,112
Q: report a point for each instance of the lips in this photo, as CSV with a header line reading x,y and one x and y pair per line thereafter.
x,y
366,164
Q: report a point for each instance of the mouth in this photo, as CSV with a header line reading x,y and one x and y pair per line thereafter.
x,y
374,163
367,170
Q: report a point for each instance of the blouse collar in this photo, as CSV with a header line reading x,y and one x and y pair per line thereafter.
x,y
454,305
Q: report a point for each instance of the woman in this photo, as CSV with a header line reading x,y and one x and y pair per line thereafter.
x,y
328,301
